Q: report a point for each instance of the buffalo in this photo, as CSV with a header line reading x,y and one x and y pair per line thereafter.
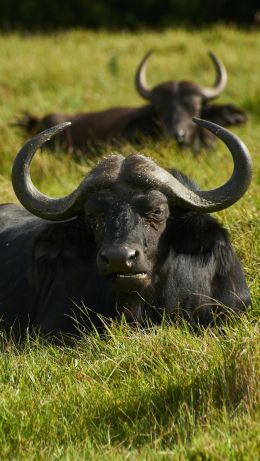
x,y
171,106
132,240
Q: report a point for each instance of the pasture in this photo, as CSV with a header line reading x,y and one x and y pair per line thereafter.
x,y
160,394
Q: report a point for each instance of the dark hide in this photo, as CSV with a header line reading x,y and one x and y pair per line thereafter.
x,y
90,129
57,276
169,114
223,114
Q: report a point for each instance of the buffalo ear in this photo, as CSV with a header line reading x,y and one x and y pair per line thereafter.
x,y
47,246
67,239
44,253
223,114
195,233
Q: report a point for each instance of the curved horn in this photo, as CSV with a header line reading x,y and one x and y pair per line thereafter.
x,y
57,209
221,79
140,78
145,171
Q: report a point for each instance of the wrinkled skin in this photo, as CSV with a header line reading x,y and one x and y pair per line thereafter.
x,y
130,252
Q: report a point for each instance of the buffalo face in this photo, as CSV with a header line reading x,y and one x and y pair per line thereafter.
x,y
175,104
128,228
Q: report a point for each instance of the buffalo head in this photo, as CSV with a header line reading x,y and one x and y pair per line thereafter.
x,y
175,103
127,205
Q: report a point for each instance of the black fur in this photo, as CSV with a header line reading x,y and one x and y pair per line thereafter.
x,y
50,272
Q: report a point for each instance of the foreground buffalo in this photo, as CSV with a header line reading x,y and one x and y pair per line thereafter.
x,y
169,113
132,239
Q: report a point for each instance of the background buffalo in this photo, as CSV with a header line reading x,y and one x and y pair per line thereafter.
x,y
172,104
169,113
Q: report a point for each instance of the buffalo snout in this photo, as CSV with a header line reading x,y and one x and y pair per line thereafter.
x,y
179,135
183,134
124,266
118,259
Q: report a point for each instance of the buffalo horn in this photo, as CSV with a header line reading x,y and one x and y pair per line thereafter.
x,y
221,79
136,169
143,172
140,78
57,209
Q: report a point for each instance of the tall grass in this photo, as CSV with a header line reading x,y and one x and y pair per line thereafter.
x,y
157,394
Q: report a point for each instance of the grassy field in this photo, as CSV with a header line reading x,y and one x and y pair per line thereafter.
x,y
162,394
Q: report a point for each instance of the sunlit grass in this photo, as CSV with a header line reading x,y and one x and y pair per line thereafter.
x,y
159,394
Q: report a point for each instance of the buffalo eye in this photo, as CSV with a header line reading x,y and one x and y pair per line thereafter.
x,y
156,214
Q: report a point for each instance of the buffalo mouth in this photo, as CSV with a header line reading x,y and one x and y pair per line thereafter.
x,y
129,281
138,276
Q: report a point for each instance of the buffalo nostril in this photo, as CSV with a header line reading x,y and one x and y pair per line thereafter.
x,y
133,254
180,135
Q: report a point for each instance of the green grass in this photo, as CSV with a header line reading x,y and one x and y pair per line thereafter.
x,y
161,394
